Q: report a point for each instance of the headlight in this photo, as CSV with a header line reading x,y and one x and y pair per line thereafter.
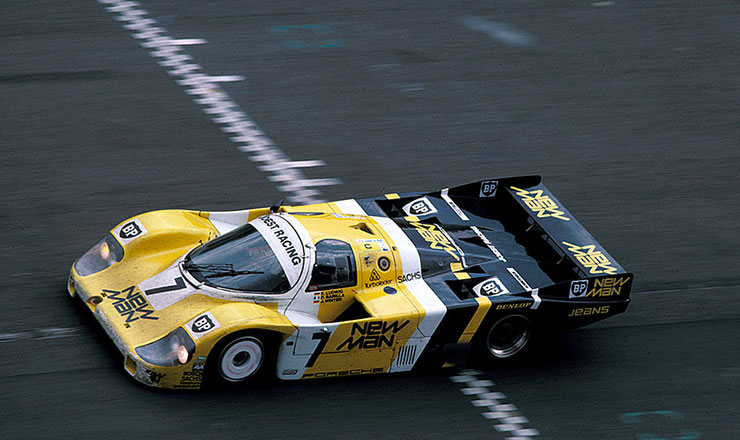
x,y
174,349
101,256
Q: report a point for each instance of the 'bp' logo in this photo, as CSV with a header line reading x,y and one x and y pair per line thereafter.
x,y
202,324
490,287
130,230
488,188
420,207
578,288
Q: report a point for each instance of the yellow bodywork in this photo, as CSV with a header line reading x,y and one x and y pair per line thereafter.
x,y
356,346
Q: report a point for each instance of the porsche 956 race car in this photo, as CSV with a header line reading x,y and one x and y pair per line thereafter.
x,y
345,288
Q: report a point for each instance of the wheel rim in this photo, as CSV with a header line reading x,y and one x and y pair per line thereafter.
x,y
508,336
241,359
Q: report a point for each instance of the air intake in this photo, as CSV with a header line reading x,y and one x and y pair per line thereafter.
x,y
406,356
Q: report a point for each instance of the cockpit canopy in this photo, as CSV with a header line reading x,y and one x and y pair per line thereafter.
x,y
267,256
239,260
335,266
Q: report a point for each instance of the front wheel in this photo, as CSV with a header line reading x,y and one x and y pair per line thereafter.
x,y
241,358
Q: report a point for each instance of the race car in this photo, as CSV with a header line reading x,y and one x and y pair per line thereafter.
x,y
345,288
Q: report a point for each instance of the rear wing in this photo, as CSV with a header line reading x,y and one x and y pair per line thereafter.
x,y
563,248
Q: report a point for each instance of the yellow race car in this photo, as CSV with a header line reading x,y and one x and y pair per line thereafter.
x,y
344,288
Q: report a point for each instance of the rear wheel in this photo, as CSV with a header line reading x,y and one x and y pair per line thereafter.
x,y
506,338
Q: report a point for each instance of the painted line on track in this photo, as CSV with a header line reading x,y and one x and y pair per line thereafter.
x,y
42,333
507,418
215,102
499,31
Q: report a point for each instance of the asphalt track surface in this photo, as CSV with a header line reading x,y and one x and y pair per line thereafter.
x,y
629,109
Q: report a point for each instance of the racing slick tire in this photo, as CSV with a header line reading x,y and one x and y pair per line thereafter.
x,y
507,338
240,358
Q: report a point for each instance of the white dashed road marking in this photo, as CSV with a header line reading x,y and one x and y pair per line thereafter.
x,y
223,110
499,31
43,333
188,42
507,418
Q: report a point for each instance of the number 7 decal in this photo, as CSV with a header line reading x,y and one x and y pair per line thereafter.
x,y
179,284
323,338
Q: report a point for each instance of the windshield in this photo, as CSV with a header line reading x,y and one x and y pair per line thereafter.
x,y
239,260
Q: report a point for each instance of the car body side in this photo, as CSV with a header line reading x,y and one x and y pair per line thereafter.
x,y
413,290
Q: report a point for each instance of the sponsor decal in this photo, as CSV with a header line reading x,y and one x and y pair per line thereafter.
x,y
375,280
488,244
605,287
374,276
409,276
129,231
283,239
490,287
374,334
588,311
328,296
420,207
488,188
373,244
130,303
511,306
578,288
154,377
602,287
199,363
519,279
290,372
202,324
592,259
193,378
389,290
437,239
541,204
384,263
353,372
453,205
377,283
